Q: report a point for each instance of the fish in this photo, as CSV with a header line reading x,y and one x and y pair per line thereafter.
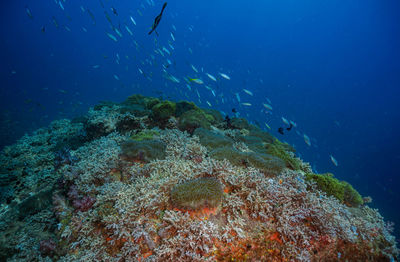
x,y
112,37
157,20
96,66
194,68
225,76
248,92
172,36
280,130
237,97
268,126
28,12
307,140
173,27
67,28
208,103
62,91
246,104
284,120
211,77
212,91
140,71
55,22
91,16
108,18
116,77
189,87
118,32
127,29
133,20
267,106
84,29
114,11
43,29
196,80
166,50
173,78
82,9
334,161
61,5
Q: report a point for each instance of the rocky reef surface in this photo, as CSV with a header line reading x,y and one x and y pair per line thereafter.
x,y
156,180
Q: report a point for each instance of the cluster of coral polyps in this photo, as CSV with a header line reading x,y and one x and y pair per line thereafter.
x,y
149,186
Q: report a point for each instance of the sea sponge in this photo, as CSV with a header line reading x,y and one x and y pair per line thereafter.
x,y
196,194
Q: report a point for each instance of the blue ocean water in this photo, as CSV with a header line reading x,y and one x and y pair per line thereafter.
x,y
331,67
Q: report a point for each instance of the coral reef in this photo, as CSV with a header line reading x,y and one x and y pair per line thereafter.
x,y
111,186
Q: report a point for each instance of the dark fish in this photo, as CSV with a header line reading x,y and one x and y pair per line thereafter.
x,y
157,20
234,110
55,22
28,12
43,29
290,127
114,11
91,15
108,18
280,130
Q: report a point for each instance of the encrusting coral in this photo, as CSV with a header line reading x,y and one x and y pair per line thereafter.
x,y
197,194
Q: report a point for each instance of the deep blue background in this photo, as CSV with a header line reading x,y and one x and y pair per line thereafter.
x,y
330,66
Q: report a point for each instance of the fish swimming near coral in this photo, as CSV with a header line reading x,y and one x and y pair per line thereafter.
x,y
157,20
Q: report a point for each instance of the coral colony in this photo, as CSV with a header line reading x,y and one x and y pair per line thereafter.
x,y
156,180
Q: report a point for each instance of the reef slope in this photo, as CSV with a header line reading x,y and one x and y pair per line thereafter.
x,y
156,180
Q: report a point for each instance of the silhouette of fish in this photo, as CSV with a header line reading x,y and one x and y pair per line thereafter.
x,y
157,20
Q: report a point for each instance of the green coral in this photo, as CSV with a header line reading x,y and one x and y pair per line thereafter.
x,y
212,140
268,164
197,193
217,117
193,119
163,111
146,102
240,123
341,190
280,150
184,106
145,135
143,151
